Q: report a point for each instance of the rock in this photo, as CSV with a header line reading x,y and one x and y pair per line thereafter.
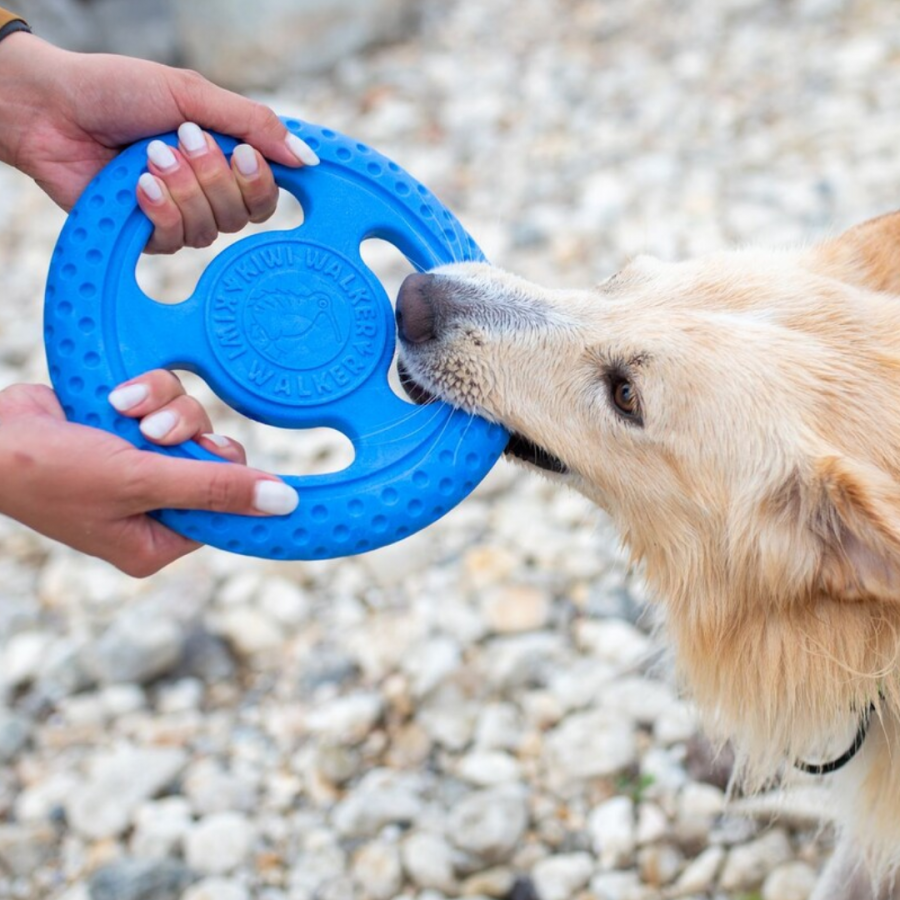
x,y
130,879
677,723
640,699
381,798
747,866
431,664
285,602
25,848
652,824
499,727
207,657
249,631
322,863
211,789
612,831
488,768
22,658
216,889
160,827
699,805
560,877
348,719
589,745
428,861
659,864
614,642
617,886
137,647
219,843
516,607
15,732
497,882
489,823
790,881
117,784
377,870
699,875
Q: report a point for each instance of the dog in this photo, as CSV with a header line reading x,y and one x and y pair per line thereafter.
x,y
738,417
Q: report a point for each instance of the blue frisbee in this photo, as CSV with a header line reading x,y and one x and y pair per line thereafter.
x,y
289,328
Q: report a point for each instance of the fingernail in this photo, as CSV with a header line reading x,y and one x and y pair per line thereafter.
x,y
245,160
150,187
161,155
127,397
275,498
159,424
192,139
302,150
216,439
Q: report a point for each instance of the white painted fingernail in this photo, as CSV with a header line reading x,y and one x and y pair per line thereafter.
x,y
217,439
159,424
161,155
302,150
245,160
192,139
127,397
275,498
150,187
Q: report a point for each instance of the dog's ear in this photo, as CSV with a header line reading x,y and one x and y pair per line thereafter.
x,y
854,513
868,255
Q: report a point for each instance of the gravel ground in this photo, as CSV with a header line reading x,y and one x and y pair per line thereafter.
x,y
480,711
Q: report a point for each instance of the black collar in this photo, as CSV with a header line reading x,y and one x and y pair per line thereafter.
x,y
835,764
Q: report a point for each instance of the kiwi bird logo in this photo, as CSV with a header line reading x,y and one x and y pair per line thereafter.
x,y
292,327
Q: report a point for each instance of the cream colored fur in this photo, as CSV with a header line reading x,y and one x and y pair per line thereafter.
x,y
762,493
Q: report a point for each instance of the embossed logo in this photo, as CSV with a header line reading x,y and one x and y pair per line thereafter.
x,y
295,322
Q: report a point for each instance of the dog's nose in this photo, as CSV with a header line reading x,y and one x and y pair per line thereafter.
x,y
415,313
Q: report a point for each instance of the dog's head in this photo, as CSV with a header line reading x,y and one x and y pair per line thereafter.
x,y
738,416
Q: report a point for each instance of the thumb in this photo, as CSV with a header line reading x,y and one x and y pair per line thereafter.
x,y
168,482
215,108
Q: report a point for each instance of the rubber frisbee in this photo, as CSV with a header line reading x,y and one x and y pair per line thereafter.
x,y
289,328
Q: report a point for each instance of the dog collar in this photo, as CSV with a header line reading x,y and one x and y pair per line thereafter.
x,y
835,764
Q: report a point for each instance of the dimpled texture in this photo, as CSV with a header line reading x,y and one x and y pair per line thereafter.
x,y
289,328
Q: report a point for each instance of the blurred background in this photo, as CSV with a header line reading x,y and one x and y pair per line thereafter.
x,y
481,710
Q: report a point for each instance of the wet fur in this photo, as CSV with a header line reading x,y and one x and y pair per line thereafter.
x,y
761,495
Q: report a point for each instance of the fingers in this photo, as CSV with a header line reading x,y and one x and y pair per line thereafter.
x,y
191,193
224,111
169,416
156,481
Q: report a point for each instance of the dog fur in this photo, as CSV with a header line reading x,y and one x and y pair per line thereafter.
x,y
759,485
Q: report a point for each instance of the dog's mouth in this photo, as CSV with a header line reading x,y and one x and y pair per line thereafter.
x,y
519,446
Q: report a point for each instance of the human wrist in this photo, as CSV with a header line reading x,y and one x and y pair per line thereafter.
x,y
28,67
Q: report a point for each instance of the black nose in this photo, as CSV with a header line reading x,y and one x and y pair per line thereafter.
x,y
415,313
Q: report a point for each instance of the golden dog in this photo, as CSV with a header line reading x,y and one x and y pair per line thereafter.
x,y
738,416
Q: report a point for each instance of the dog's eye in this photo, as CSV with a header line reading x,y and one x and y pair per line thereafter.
x,y
625,398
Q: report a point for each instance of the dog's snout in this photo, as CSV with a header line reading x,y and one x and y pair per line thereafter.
x,y
415,310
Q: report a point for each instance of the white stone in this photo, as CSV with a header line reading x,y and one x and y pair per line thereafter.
x,y
699,805
652,824
642,700
790,881
432,663
590,745
117,784
676,724
700,874
488,767
219,843
137,647
249,631
499,727
659,864
216,889
347,719
560,877
612,831
285,602
428,861
613,641
617,886
212,789
489,823
22,657
516,607
747,866
378,871
381,798
160,827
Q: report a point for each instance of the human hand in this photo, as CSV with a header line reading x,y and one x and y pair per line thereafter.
x,y
92,490
64,115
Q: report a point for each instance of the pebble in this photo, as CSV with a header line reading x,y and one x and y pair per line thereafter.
x,y
790,881
129,879
560,877
348,719
219,843
160,827
489,823
25,848
591,744
428,861
747,865
489,767
216,889
612,830
137,648
117,784
380,799
15,732
700,873
378,871
514,608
